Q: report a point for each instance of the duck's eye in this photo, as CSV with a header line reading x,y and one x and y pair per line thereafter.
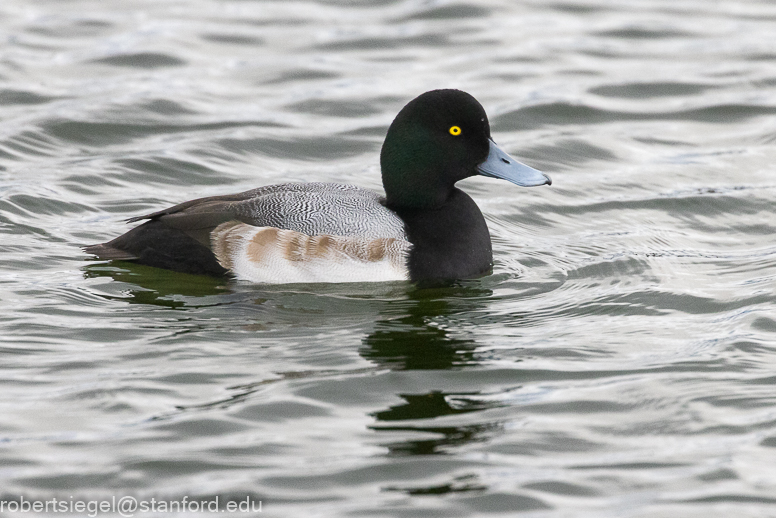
x,y
455,131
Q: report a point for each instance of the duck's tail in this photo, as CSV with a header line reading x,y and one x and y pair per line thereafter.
x,y
155,244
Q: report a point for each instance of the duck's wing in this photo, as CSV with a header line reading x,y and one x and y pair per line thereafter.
x,y
200,203
310,208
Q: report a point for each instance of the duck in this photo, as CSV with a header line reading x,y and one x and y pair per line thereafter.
x,y
424,229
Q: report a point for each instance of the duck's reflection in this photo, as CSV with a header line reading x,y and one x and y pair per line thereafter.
x,y
147,285
417,329
418,338
440,438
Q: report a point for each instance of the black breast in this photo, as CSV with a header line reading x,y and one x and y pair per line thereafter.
x,y
451,242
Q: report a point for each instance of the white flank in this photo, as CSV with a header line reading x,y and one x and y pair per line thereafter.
x,y
276,256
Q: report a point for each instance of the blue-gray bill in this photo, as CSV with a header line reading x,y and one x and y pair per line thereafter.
x,y
500,165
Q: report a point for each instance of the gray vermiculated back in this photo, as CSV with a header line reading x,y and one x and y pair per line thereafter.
x,y
321,208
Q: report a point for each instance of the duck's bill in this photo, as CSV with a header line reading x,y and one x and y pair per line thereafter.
x,y
500,165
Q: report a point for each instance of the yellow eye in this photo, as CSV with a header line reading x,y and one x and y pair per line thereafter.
x,y
455,131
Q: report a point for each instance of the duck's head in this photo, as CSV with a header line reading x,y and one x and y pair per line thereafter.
x,y
437,139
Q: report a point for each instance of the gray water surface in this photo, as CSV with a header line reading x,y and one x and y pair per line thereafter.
x,y
620,361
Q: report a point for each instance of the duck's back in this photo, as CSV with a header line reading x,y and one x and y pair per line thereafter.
x,y
311,208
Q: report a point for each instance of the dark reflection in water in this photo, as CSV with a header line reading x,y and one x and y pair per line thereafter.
x,y
154,286
417,340
420,340
463,483
422,406
428,406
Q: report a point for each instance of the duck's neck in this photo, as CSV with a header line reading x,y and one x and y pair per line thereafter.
x,y
450,241
412,188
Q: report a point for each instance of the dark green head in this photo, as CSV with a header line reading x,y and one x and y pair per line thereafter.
x,y
437,139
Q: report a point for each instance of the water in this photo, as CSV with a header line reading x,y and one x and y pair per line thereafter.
x,y
619,361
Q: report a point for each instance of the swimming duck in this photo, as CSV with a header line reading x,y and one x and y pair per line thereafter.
x,y
423,229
